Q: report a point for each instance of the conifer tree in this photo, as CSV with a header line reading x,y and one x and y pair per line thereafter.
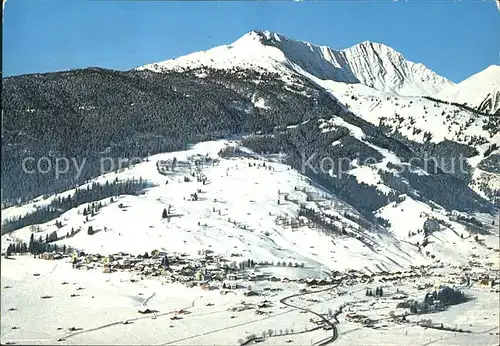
x,y
8,253
31,243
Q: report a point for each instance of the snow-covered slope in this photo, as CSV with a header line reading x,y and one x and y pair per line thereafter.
x,y
413,117
246,208
422,120
376,82
480,91
372,64
102,308
243,209
247,52
236,214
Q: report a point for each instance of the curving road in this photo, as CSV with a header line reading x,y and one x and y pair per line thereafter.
x,y
145,303
335,332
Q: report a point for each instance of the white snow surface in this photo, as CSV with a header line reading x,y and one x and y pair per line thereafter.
x,y
376,82
237,212
381,67
411,116
373,80
246,52
96,304
247,199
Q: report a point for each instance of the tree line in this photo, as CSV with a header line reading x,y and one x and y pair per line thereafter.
x,y
36,246
438,300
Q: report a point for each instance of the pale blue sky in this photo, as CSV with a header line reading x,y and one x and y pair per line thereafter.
x,y
455,39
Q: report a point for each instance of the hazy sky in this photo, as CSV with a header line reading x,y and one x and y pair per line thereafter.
x,y
455,39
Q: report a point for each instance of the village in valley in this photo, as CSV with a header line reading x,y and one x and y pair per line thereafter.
x,y
332,301
214,272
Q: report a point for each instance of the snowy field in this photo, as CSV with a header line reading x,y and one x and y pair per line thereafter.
x,y
95,305
103,302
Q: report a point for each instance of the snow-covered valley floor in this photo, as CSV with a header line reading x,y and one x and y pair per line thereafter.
x,y
95,305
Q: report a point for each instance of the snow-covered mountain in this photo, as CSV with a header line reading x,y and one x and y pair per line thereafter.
x,y
480,91
247,52
372,64
381,67
240,174
420,120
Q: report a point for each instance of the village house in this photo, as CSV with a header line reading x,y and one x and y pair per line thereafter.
x,y
202,275
250,293
231,285
232,277
311,282
47,256
264,304
399,296
207,287
106,269
353,317
256,276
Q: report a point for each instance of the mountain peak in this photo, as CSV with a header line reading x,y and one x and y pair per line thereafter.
x,y
493,69
260,36
381,67
373,44
376,47
252,36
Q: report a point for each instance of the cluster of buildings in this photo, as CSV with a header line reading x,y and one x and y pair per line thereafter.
x,y
208,271
194,161
211,271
